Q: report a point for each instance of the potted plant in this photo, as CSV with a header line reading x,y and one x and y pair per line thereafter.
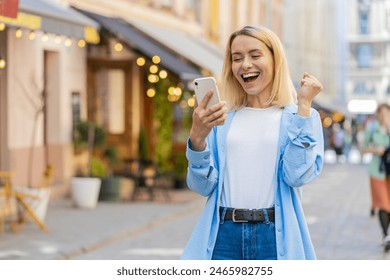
x,y
85,186
110,187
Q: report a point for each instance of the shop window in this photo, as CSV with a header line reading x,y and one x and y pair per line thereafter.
x,y
110,94
115,110
76,108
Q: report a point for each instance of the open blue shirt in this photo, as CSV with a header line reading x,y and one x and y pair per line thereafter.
x,y
299,161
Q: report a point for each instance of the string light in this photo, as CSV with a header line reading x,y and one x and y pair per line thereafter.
x,y
191,102
18,33
57,39
153,69
31,35
2,63
174,94
156,59
81,43
163,74
2,26
151,92
153,78
68,42
45,37
141,61
118,47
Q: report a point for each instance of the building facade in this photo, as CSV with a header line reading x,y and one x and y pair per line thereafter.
x,y
50,79
368,54
315,40
43,54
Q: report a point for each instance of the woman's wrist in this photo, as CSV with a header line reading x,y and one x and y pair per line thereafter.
x,y
197,143
304,109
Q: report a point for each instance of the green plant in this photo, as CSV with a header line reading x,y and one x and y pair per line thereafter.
x,y
143,147
163,117
88,136
98,168
181,165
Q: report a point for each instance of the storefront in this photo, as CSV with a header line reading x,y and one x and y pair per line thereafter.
x,y
44,64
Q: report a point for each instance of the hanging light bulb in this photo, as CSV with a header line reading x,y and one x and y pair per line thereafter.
x,y
81,43
57,39
156,59
45,37
19,33
118,47
153,69
68,42
151,92
31,35
141,61
163,74
2,63
2,26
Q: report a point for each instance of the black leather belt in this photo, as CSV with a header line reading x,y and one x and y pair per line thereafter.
x,y
248,216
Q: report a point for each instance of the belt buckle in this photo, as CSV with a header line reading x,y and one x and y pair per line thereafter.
x,y
234,216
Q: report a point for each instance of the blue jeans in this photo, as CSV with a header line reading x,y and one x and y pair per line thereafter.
x,y
245,241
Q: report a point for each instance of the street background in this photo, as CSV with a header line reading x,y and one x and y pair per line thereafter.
x,y
121,72
336,205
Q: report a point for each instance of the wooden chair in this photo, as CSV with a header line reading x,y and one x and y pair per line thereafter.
x,y
26,211
24,216
147,178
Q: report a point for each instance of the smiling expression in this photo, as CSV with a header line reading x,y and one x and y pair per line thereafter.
x,y
253,66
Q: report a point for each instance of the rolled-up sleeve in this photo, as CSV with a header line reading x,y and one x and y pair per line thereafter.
x,y
303,156
202,174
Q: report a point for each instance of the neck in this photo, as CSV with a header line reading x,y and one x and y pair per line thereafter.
x,y
258,101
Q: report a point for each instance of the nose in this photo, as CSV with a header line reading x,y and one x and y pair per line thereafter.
x,y
247,63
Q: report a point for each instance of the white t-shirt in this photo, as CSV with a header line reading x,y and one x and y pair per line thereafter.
x,y
252,142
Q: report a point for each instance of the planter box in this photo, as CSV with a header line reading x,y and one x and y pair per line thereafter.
x,y
110,189
85,192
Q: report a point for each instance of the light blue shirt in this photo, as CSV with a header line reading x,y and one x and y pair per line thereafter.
x,y
299,161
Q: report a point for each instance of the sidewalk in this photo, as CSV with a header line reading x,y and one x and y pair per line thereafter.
x,y
336,206
74,232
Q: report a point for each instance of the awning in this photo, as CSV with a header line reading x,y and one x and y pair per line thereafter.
x,y
145,45
197,50
54,18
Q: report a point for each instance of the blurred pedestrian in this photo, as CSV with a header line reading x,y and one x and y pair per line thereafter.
x,y
252,161
348,139
338,142
376,141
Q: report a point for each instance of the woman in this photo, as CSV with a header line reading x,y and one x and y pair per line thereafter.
x,y
257,156
376,141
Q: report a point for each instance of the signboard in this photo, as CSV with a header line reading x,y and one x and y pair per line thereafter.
x,y
9,8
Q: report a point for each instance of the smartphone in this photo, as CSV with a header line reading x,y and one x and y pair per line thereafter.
x,y
204,85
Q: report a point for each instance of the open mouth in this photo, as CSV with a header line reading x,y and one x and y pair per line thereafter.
x,y
250,77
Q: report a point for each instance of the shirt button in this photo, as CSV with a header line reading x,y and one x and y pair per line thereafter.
x,y
279,229
206,157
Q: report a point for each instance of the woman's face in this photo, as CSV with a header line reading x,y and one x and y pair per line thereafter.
x,y
252,65
384,116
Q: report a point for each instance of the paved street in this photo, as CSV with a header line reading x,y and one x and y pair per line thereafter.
x,y
336,205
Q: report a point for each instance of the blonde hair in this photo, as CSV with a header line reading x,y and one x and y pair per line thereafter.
x,y
283,91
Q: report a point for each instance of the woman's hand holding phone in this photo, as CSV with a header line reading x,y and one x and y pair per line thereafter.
x,y
204,119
